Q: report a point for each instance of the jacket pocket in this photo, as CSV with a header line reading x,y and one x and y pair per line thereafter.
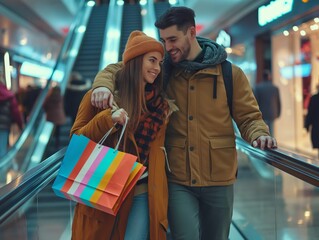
x,y
176,154
223,159
166,159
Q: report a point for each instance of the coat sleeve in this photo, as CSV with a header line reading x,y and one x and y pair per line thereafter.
x,y
246,111
91,122
15,113
106,77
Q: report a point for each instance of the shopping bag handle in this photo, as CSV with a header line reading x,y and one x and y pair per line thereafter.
x,y
109,131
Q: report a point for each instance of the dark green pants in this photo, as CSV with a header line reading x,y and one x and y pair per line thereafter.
x,y
200,213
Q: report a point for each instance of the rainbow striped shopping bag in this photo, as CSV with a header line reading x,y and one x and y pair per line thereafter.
x,y
96,175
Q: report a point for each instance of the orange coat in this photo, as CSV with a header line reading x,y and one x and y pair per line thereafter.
x,y
92,224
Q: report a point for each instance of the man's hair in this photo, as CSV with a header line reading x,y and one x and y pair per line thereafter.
x,y
182,17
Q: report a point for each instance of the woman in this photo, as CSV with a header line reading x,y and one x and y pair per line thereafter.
x,y
143,214
9,113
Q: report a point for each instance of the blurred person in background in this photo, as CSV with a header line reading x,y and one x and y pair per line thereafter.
x,y
9,113
268,98
27,98
75,91
312,119
54,108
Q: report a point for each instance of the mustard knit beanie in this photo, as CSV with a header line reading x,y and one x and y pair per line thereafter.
x,y
138,44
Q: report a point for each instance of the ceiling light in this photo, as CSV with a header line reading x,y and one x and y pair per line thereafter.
x,y
172,2
23,41
81,29
316,20
143,12
90,3
143,2
120,2
295,28
7,70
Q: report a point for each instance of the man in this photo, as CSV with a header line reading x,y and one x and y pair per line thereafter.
x,y
268,98
312,119
200,138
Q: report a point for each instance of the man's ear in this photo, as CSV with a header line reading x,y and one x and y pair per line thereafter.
x,y
192,31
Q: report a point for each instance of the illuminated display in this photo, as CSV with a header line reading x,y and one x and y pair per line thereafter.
x,y
273,10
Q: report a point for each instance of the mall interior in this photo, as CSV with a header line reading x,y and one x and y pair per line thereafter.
x,y
43,43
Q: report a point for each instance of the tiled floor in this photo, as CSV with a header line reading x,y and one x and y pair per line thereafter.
x,y
275,205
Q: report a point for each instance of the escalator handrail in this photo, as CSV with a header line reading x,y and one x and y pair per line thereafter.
x,y
9,156
22,189
15,194
292,164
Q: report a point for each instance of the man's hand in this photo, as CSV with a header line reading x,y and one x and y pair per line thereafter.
x,y
263,142
102,98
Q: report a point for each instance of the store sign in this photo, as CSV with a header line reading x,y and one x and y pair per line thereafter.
x,y
273,10
223,38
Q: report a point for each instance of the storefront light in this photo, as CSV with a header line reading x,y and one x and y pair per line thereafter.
x,y
314,27
229,50
303,33
286,33
38,71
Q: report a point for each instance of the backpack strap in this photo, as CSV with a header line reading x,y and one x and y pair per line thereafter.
x,y
228,82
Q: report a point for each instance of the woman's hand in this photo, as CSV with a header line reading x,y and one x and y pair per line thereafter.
x,y
119,116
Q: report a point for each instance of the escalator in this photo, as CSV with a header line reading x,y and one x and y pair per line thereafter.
x,y
88,59
28,149
160,8
86,63
50,214
285,206
131,21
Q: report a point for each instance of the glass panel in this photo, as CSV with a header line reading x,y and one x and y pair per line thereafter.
x,y
46,216
297,205
271,204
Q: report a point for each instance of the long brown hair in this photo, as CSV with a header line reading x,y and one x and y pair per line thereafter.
x,y
130,90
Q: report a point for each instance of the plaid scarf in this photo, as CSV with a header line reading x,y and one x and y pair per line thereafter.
x,y
150,123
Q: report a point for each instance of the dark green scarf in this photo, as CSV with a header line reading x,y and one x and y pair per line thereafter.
x,y
212,52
